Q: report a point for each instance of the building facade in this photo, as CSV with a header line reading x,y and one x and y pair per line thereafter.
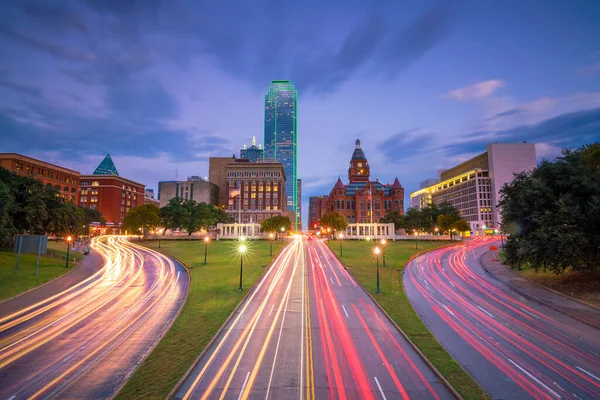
x,y
281,136
111,194
317,207
299,213
363,200
194,188
149,198
253,153
256,191
65,180
473,187
217,174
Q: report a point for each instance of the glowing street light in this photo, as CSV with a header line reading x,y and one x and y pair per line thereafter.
x,y
242,249
416,239
383,243
206,240
436,230
341,236
282,230
377,251
271,243
69,239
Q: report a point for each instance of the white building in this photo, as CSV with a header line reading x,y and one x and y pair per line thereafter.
x,y
473,187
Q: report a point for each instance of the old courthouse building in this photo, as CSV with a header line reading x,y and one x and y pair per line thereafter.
x,y
363,200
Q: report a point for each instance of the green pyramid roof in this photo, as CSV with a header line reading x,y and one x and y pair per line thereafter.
x,y
106,167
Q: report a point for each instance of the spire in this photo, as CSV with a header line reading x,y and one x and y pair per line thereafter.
x,y
357,143
397,184
253,140
339,184
106,167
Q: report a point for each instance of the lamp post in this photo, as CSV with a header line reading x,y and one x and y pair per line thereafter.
x,y
341,236
69,239
377,250
416,240
271,243
436,230
206,240
282,230
383,243
242,250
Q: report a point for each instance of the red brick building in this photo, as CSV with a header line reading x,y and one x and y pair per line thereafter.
x,y
110,193
363,200
63,179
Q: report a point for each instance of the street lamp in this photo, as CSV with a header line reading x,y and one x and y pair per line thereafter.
x,y
242,249
271,242
282,230
377,251
383,243
341,236
416,239
69,239
436,230
206,240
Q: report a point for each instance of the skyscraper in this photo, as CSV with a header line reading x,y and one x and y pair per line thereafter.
x,y
253,153
281,137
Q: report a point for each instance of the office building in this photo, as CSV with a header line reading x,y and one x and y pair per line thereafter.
x,y
65,180
194,188
317,207
299,212
253,153
256,190
217,170
111,194
281,136
149,198
473,187
363,200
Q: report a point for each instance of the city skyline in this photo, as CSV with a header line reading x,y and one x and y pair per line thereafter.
x,y
424,86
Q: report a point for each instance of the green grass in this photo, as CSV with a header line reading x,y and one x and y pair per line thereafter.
x,y
357,255
12,284
212,297
60,247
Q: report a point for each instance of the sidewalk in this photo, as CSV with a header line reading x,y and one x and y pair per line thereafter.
x,y
548,297
86,268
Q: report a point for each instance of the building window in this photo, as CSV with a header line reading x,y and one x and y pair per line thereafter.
x,y
83,199
95,183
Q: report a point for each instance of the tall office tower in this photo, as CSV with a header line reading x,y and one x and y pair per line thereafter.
x,y
281,137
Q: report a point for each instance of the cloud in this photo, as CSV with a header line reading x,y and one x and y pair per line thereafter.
x,y
21,87
507,113
477,91
56,17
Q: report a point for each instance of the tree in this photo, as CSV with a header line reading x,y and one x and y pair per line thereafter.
x,y
412,220
7,203
174,214
145,218
89,216
65,219
274,224
394,217
335,221
552,213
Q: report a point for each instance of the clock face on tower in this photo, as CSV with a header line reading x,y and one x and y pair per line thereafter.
x,y
359,165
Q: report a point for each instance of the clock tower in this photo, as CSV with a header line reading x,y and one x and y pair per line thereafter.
x,y
359,170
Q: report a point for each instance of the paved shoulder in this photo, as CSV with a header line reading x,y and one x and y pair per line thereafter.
x,y
525,287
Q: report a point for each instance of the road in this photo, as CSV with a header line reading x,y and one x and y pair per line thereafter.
x,y
86,341
308,330
514,347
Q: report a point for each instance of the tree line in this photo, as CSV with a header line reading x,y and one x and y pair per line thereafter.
x,y
552,214
29,206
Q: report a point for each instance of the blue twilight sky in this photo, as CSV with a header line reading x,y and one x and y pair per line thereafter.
x,y
163,85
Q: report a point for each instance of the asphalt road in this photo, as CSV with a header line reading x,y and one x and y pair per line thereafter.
x,y
86,341
514,347
308,330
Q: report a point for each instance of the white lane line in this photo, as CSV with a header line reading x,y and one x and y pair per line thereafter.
x,y
533,315
485,312
331,279
446,307
425,280
244,385
451,284
12,398
271,310
380,389
176,279
345,312
534,378
593,376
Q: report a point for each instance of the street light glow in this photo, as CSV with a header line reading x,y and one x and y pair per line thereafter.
x,y
282,229
242,248
207,239
383,242
341,235
69,238
376,250
270,236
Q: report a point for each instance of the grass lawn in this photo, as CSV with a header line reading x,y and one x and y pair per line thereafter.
x,y
212,297
60,247
12,284
580,285
357,255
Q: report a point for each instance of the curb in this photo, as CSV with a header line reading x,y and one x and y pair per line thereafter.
x,y
214,338
170,326
531,297
412,344
43,284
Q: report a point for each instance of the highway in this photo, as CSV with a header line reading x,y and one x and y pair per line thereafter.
x,y
307,331
514,347
86,341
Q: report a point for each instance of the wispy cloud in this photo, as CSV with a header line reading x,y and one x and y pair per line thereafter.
x,y
477,91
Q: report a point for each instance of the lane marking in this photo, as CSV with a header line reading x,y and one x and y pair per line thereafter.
x,y
533,315
244,385
593,376
380,389
345,312
331,279
271,310
446,307
485,312
534,378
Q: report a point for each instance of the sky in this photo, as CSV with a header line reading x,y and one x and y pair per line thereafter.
x,y
164,85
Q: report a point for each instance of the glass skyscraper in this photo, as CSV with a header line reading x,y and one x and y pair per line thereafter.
x,y
281,136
